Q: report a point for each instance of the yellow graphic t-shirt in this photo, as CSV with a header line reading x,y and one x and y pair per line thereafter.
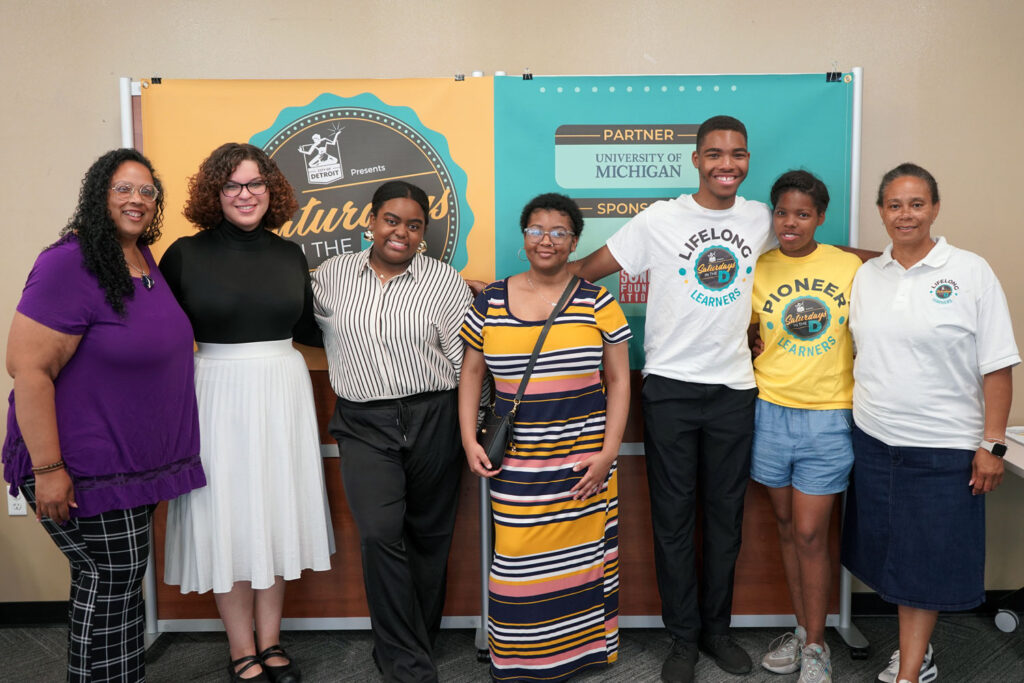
x,y
802,306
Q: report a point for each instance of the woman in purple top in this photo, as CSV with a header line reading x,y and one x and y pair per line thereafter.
x,y
106,423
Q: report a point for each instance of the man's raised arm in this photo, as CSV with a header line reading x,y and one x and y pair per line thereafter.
x,y
596,265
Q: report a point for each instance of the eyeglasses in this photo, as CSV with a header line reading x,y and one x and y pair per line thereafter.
x,y
258,186
557,235
147,193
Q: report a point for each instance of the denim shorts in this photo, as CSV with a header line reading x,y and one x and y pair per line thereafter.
x,y
913,532
809,450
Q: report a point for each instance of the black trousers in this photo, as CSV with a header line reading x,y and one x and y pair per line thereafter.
x,y
401,461
697,438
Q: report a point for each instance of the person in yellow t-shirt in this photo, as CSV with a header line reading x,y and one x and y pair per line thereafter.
x,y
802,450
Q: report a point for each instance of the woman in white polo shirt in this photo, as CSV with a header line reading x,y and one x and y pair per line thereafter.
x,y
931,399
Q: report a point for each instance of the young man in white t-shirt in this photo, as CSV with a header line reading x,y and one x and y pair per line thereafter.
x,y
699,390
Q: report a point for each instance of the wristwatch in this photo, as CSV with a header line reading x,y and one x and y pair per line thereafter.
x,y
995,448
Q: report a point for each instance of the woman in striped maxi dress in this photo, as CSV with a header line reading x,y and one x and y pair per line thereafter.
x,y
553,609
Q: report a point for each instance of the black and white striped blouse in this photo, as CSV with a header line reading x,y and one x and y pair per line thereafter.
x,y
393,339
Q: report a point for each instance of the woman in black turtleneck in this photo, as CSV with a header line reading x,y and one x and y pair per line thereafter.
x,y
263,516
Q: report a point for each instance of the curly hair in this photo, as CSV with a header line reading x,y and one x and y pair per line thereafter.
x,y
552,201
94,227
804,182
203,207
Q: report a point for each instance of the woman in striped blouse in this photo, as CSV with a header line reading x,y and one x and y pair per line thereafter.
x,y
390,317
553,609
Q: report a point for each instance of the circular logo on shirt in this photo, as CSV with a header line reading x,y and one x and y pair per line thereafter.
x,y
943,291
806,318
716,268
336,152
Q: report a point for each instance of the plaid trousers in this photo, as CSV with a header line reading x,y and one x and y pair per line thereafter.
x,y
106,623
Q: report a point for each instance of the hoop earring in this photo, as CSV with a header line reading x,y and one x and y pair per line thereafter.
x,y
422,247
521,255
368,235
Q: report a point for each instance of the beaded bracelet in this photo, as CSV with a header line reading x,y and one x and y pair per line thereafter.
x,y
48,468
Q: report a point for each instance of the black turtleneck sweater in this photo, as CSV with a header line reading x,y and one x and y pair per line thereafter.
x,y
239,286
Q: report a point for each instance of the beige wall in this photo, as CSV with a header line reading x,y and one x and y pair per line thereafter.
x,y
941,87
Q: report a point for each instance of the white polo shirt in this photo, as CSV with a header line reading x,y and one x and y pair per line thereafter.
x,y
701,274
925,336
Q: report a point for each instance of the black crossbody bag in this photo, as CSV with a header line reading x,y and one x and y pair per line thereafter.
x,y
495,433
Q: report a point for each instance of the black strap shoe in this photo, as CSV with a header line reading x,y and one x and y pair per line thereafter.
x,y
287,673
249,661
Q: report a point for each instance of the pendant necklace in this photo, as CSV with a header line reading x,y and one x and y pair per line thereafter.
x,y
384,279
537,291
147,281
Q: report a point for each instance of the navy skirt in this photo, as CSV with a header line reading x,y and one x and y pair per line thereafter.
x,y
913,532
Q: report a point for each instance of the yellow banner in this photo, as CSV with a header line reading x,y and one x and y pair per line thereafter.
x,y
336,141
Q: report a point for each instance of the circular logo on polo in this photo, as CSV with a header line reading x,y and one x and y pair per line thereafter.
x,y
943,292
336,156
806,318
716,268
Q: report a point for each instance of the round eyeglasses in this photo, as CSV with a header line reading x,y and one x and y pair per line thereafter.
x,y
147,193
231,189
556,235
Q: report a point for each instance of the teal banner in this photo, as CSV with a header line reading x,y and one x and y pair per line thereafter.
x,y
617,143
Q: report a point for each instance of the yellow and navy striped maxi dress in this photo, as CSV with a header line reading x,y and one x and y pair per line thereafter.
x,y
554,582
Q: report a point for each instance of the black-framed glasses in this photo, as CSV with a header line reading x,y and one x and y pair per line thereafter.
x,y
147,193
556,235
232,189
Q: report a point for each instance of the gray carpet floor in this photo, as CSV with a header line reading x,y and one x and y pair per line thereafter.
x,y
968,648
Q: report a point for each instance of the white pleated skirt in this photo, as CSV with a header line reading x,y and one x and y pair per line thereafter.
x,y
263,512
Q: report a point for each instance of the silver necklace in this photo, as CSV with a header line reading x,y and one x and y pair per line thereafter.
x,y
384,279
537,291
147,281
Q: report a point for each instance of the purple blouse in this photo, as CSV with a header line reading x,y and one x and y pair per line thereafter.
x,y
126,403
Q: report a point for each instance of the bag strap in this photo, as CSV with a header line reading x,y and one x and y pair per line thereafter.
x,y
569,289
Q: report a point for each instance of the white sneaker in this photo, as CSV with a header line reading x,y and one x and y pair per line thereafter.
x,y
929,671
815,664
783,656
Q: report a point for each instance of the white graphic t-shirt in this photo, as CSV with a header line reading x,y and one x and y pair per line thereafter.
x,y
701,271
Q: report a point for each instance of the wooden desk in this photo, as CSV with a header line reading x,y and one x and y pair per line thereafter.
x,y
335,598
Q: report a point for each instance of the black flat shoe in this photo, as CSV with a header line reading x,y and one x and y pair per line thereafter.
x,y
288,673
250,661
